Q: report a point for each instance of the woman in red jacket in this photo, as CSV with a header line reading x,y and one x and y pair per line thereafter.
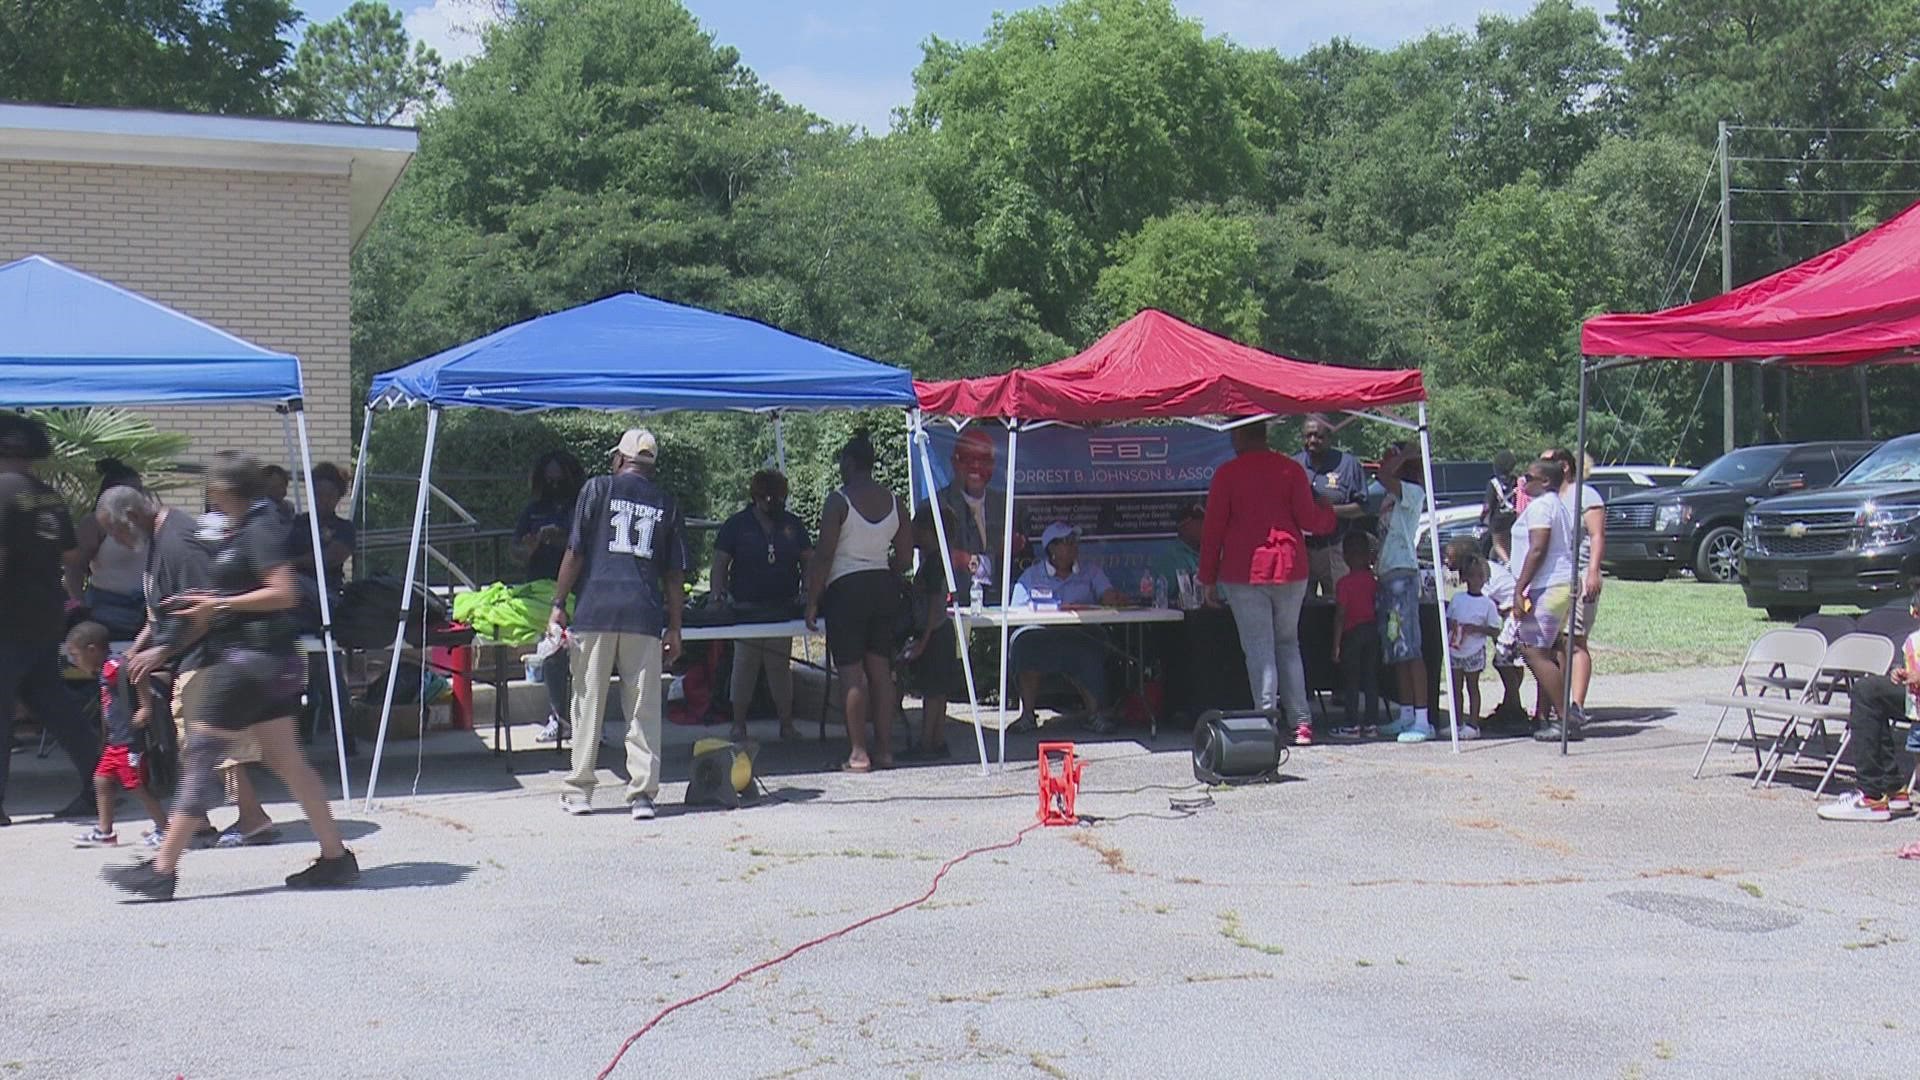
x,y
1252,548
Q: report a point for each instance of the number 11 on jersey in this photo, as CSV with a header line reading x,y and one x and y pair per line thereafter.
x,y
631,528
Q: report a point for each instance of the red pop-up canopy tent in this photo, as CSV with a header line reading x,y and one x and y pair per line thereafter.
x,y
1154,366
1858,303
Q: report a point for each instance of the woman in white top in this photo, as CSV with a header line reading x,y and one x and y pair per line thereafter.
x,y
1543,592
866,542
1593,548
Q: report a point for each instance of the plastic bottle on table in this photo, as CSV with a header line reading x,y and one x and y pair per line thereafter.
x,y
1146,586
977,596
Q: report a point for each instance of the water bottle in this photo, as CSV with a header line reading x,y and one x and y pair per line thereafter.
x,y
1146,587
1159,592
977,596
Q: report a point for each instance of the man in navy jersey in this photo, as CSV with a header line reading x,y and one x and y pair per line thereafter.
x,y
625,559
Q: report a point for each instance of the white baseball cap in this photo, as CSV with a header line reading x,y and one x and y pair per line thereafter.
x,y
637,443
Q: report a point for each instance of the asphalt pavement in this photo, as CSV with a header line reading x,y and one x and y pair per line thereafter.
x,y
1385,910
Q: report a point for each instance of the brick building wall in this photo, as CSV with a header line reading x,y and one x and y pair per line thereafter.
x,y
263,255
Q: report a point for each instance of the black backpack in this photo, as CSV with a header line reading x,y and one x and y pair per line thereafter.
x,y
369,607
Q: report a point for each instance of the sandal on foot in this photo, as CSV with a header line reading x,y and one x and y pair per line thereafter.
x,y
233,837
856,766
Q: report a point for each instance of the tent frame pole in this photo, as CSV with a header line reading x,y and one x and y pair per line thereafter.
x,y
1439,580
1005,570
955,610
298,409
406,596
1577,586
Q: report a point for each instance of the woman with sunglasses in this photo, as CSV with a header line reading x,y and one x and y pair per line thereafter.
x,y
250,685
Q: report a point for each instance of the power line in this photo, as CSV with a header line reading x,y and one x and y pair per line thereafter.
x,y
1823,191
1851,130
1818,224
1827,160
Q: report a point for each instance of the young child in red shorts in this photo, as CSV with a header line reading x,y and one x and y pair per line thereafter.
x,y
123,721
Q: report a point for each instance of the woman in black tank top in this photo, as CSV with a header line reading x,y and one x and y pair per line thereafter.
x,y
251,682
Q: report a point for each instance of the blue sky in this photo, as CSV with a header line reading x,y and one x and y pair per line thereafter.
x,y
852,61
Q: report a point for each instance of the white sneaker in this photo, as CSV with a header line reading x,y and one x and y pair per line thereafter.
x,y
552,732
642,808
1468,731
575,803
1855,806
1421,731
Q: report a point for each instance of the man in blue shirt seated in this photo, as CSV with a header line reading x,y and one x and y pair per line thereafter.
x,y
1059,579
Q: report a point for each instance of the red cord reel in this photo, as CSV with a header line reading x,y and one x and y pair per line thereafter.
x,y
1058,790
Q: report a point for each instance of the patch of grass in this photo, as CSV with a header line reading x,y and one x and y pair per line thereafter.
x,y
1663,1051
1890,1025
1087,987
1115,859
1363,963
1751,889
1229,978
1231,930
1671,625
588,961
1039,1061
1516,977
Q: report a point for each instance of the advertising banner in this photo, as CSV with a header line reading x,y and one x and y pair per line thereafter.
x,y
1124,486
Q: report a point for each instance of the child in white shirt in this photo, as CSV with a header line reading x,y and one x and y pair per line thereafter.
x,y
1472,621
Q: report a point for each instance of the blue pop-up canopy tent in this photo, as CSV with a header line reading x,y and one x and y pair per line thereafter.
x,y
624,353
635,353
69,339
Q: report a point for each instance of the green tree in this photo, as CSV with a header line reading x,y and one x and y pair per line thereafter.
x,y
1068,127
210,56
358,69
1196,264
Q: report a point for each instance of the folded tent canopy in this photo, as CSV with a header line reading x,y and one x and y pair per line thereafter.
x,y
71,340
624,353
1154,366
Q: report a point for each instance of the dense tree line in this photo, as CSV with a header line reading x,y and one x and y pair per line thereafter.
x,y
1458,203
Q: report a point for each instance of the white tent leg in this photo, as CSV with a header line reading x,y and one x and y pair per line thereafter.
x,y
326,605
1006,583
293,458
955,609
1439,580
357,488
406,595
780,447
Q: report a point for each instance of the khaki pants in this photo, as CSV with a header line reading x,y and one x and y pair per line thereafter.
x,y
773,656
597,657
1325,567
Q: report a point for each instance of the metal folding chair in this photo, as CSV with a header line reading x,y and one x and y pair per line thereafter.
x,y
1777,670
1851,656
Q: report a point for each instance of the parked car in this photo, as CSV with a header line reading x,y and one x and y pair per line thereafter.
x,y
1697,526
1844,545
1610,480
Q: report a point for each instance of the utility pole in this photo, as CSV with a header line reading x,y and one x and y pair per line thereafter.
x,y
1726,283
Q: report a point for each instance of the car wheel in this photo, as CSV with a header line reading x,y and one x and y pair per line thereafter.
x,y
1786,613
1717,561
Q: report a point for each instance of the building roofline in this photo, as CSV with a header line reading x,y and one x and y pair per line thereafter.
x,y
373,158
151,123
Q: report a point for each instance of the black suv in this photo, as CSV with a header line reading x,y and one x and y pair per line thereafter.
x,y
1697,526
1843,545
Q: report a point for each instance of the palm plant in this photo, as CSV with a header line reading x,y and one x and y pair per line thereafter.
x,y
82,437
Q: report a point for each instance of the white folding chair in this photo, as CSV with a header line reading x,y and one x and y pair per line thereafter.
x,y
1849,657
1776,672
